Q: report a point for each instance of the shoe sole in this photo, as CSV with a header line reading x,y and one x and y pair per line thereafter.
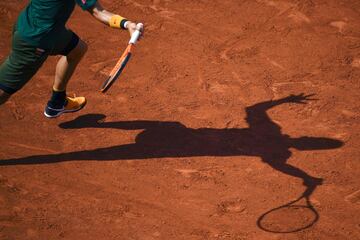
x,y
64,111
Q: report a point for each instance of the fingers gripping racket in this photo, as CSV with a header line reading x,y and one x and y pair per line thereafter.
x,y
124,59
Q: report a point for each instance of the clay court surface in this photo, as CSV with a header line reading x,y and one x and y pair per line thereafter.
x,y
200,137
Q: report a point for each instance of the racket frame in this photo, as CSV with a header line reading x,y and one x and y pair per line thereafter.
x,y
123,60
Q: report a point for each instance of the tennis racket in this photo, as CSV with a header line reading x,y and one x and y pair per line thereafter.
x,y
124,59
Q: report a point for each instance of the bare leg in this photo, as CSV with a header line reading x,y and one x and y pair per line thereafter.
x,y
3,97
59,103
66,66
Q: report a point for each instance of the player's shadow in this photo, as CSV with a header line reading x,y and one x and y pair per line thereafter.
x,y
263,138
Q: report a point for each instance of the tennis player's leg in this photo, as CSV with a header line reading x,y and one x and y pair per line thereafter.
x,y
72,54
19,67
67,65
3,97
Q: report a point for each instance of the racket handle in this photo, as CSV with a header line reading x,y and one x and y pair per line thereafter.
x,y
135,36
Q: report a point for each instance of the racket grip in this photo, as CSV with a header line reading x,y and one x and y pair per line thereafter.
x,y
135,36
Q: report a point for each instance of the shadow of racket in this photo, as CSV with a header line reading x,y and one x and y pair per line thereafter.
x,y
294,216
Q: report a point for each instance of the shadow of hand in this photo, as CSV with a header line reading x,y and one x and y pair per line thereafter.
x,y
300,99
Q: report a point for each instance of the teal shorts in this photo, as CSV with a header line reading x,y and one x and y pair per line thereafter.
x,y
25,60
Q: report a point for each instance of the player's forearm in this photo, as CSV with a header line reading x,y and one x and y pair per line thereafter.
x,y
106,17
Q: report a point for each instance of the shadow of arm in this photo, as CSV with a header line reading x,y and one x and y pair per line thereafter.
x,y
258,118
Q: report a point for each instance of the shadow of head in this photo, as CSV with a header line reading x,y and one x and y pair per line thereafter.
x,y
314,143
84,121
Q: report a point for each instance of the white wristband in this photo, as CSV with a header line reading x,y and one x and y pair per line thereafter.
x,y
126,24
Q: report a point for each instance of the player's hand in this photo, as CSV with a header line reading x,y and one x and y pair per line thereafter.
x,y
132,27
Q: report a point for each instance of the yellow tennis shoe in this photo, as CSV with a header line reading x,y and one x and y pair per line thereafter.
x,y
72,104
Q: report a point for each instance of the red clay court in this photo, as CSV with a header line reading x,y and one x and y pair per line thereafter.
x,y
210,132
